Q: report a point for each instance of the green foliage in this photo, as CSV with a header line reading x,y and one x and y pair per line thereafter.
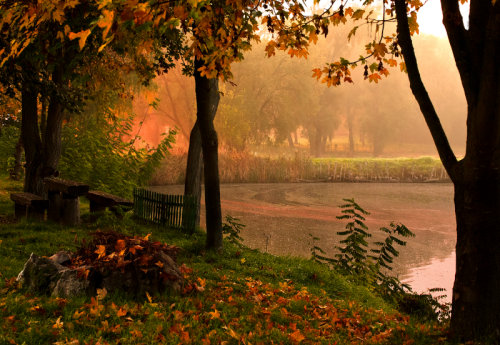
x,y
97,152
352,257
232,228
353,260
8,139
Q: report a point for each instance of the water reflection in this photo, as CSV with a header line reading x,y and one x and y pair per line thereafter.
x,y
288,213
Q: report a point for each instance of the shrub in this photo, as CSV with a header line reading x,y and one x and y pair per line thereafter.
x,y
96,152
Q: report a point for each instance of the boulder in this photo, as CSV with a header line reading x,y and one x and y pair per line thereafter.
x,y
49,276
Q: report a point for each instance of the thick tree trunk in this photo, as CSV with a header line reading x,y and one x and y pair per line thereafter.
x,y
317,140
52,141
351,134
290,142
192,185
476,302
32,143
207,101
475,299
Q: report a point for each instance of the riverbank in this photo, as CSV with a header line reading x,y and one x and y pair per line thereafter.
x,y
244,167
243,296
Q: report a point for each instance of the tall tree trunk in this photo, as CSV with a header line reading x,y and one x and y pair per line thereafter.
x,y
192,185
351,133
475,299
290,142
207,102
317,140
31,140
52,141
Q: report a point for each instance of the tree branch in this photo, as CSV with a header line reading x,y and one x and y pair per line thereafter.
x,y
417,87
457,35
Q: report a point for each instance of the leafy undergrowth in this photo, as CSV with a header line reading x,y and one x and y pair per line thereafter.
x,y
235,296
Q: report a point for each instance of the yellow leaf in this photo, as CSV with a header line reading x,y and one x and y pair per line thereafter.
x,y
60,35
313,37
67,29
82,35
104,3
58,324
101,250
159,264
101,293
243,260
380,49
106,21
146,237
149,297
402,66
214,314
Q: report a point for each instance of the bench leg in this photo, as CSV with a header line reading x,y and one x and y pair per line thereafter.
x,y
95,207
54,211
19,211
70,210
35,213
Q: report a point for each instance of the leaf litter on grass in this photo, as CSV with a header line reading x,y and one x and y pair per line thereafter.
x,y
222,311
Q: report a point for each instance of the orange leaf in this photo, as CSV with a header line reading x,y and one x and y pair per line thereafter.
x,y
82,35
121,312
101,251
297,336
120,245
317,73
374,77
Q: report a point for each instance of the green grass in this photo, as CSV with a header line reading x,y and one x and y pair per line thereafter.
x,y
248,297
422,167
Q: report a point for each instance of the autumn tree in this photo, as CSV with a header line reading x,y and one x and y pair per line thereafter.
x,y
476,303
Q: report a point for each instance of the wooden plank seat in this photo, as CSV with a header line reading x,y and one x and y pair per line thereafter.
x,y
29,205
100,200
64,197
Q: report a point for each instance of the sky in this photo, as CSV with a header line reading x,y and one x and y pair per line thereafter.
x,y
430,18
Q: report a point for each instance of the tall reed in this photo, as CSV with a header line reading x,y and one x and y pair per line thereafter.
x,y
246,167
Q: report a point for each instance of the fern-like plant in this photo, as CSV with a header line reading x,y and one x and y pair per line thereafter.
x,y
232,228
352,257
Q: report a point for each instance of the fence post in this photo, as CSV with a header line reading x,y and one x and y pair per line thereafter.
x,y
335,172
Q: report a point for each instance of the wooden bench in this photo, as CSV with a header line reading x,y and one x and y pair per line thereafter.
x,y
64,198
29,205
100,200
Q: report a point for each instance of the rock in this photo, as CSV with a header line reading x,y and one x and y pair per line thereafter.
x,y
39,273
170,276
61,257
117,280
48,276
69,284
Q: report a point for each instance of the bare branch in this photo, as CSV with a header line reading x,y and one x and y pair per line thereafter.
x,y
417,87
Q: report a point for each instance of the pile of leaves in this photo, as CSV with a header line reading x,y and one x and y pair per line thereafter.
x,y
111,251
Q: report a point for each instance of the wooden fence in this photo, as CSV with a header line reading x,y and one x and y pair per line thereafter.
x,y
178,211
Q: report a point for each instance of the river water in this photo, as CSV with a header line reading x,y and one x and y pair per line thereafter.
x,y
280,217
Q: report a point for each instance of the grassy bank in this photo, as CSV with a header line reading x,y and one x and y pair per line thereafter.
x,y
241,296
244,167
